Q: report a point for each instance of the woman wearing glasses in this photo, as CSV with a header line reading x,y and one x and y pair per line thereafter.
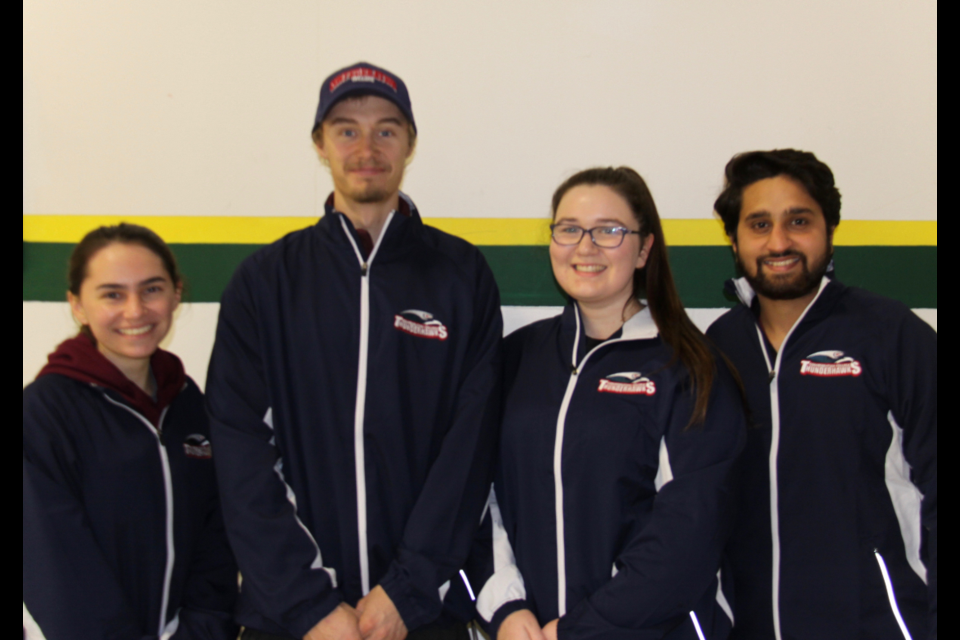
x,y
620,431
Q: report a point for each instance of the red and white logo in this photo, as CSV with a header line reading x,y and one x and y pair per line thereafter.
x,y
420,324
197,447
628,383
830,364
362,74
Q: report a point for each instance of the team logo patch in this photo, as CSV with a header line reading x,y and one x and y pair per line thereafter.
x,y
628,383
830,364
197,447
420,324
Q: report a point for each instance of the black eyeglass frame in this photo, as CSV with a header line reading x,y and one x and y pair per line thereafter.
x,y
624,232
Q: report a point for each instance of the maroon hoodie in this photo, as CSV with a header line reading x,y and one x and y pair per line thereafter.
x,y
79,359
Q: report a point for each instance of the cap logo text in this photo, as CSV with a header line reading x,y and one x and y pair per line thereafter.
x,y
363,74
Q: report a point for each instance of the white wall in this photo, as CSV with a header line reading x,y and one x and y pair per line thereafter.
x,y
189,108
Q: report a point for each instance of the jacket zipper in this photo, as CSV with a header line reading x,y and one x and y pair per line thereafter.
x,y
575,370
168,490
891,595
774,370
359,453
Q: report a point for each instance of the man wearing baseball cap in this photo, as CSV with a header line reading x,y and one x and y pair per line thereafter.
x,y
353,391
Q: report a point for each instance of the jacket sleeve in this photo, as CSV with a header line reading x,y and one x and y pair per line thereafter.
x,y
446,515
669,564
69,589
912,365
283,573
503,591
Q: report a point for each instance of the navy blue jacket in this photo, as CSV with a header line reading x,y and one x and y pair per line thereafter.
x,y
608,511
123,538
354,406
837,536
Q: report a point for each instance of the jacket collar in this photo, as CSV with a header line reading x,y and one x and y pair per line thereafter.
x,y
394,231
79,359
821,306
574,338
405,208
641,326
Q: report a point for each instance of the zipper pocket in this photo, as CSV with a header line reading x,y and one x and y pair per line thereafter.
x,y
891,595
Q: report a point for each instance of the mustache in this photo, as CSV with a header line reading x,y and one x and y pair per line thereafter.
x,y
367,164
783,254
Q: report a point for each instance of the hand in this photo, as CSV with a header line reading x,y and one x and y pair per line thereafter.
x,y
379,618
550,631
341,624
520,625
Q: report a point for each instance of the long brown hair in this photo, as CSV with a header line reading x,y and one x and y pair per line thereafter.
x,y
655,281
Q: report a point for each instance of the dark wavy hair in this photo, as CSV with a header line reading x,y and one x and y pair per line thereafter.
x,y
746,168
123,233
655,281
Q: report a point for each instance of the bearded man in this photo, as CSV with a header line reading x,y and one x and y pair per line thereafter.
x,y
353,394
837,530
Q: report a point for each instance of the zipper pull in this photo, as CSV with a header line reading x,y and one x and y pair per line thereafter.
x,y
773,376
573,370
160,436
363,270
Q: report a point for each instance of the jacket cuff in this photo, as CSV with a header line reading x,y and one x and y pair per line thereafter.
x,y
416,607
585,622
493,627
301,622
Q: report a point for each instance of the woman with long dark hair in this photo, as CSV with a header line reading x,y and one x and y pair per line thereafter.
x,y
621,427
122,531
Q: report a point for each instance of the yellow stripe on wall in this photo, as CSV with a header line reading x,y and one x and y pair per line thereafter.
x,y
479,231
895,233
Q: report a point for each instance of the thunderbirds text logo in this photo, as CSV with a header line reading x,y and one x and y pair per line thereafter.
x,y
420,324
830,364
629,383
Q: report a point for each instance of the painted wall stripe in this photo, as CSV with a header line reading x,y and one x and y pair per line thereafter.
x,y
479,231
908,274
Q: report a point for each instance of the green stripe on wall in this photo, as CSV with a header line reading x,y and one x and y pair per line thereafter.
x,y
908,274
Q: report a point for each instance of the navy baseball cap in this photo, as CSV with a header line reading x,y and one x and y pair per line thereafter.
x,y
363,78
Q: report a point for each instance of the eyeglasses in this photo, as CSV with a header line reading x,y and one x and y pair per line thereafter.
x,y
607,237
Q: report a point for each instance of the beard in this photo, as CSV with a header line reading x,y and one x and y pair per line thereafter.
x,y
370,192
370,195
796,286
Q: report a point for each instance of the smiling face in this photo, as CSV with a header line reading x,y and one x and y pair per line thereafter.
x,y
596,277
127,299
366,144
783,245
